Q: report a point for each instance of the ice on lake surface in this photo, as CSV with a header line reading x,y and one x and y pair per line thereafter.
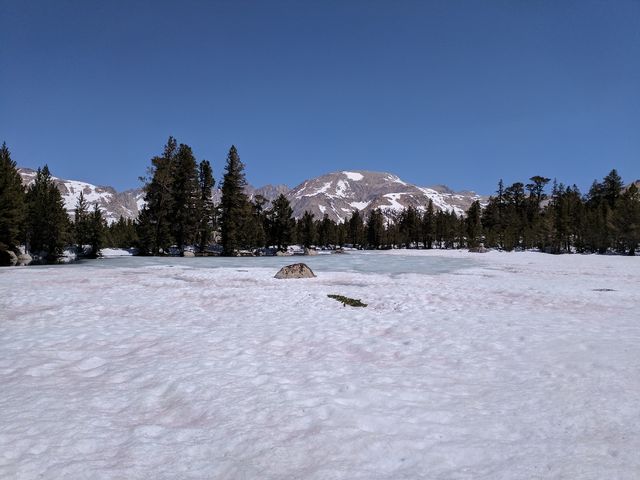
x,y
356,261
497,366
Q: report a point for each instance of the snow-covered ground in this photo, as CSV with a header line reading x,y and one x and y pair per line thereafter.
x,y
517,366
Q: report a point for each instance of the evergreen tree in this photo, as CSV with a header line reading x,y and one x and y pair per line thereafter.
x,y
185,197
155,221
97,227
234,205
121,234
611,188
626,220
375,229
409,226
47,220
428,226
307,230
81,225
355,234
281,223
205,207
12,208
473,225
326,229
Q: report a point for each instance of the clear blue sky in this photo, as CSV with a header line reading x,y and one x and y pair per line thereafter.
x,y
455,92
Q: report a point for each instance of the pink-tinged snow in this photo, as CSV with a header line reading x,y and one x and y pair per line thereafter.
x,y
521,366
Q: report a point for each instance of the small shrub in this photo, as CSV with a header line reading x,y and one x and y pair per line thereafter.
x,y
352,302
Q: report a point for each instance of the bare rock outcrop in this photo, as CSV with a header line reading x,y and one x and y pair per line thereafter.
x,y
296,270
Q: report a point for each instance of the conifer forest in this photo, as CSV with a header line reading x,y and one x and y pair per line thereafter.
x,y
180,213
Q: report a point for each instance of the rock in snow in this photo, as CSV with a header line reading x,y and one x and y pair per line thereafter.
x,y
296,270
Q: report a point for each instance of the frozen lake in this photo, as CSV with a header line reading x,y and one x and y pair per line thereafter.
x,y
397,263
489,366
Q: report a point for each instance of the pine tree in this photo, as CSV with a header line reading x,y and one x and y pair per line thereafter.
x,y
355,234
626,220
121,234
12,208
47,220
611,188
307,230
205,206
97,227
375,229
409,226
185,197
281,223
155,222
326,229
473,225
234,205
81,223
428,225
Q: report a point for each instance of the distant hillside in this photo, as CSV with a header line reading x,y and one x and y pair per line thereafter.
x,y
112,203
340,193
336,194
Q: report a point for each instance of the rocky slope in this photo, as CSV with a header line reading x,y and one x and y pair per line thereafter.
x,y
112,203
336,194
340,193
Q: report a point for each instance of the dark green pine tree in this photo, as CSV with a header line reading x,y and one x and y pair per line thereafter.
x,y
612,188
81,223
355,235
428,225
473,225
12,208
375,229
307,230
154,221
121,234
185,197
281,223
409,227
235,213
205,206
626,220
47,220
326,229
96,233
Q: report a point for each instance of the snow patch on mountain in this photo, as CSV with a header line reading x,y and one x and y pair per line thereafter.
x,y
343,192
355,176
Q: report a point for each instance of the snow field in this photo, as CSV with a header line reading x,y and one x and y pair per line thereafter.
x,y
518,367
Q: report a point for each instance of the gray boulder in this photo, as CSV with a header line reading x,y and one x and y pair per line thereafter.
x,y
24,259
297,270
309,251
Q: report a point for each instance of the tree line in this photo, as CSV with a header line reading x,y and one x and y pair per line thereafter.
x,y
180,213
36,217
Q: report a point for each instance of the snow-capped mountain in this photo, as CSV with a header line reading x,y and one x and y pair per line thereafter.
x,y
336,194
340,193
112,203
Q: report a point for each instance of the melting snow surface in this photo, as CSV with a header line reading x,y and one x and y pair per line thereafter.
x,y
519,366
355,176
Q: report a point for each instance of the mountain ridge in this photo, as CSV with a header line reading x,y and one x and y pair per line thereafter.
x,y
335,194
